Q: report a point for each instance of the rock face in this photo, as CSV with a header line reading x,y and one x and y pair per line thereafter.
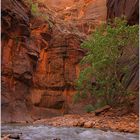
x,y
130,9
41,55
17,67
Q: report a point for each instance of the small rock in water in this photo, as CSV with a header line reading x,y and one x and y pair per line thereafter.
x,y
6,137
15,136
57,139
12,136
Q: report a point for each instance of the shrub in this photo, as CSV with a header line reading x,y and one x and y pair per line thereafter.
x,y
36,12
35,9
89,108
104,49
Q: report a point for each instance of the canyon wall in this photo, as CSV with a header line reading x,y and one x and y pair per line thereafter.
x,y
127,8
40,58
17,66
130,10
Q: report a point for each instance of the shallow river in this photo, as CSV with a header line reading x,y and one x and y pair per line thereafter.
x,y
40,132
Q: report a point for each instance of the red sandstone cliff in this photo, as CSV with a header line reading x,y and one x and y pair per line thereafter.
x,y
39,61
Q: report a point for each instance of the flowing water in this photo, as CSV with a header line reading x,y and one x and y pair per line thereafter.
x,y
42,132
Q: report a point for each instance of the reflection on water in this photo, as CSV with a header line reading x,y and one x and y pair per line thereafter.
x,y
40,132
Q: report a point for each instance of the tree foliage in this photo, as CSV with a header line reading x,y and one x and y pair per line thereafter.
x,y
104,49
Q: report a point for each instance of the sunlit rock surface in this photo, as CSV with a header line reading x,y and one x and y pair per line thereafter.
x,y
40,57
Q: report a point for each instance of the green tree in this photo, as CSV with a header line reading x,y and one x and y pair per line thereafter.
x,y
104,49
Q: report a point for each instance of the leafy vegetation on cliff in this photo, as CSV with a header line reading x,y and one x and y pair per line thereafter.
x,y
99,78
35,11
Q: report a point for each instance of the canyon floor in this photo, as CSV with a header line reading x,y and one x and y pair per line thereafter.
x,y
113,120
114,124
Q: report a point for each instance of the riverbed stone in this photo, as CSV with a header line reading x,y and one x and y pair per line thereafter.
x,y
88,124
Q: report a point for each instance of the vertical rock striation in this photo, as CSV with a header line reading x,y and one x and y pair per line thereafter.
x,y
41,55
129,9
17,67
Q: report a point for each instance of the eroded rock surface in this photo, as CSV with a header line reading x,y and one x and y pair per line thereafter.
x,y
17,67
40,56
129,9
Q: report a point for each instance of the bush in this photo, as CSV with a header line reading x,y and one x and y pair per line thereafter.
x,y
35,9
104,49
36,12
89,108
